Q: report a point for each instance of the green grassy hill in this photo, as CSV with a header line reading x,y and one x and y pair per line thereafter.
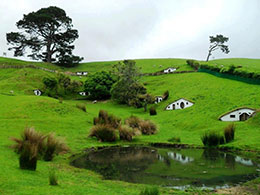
x,y
212,95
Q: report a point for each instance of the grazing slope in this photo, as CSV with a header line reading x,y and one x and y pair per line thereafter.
x,y
213,96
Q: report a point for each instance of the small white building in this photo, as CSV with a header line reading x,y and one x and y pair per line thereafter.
x,y
169,70
239,114
158,99
37,92
179,104
81,73
83,93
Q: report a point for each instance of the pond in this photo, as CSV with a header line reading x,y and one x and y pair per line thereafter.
x,y
176,168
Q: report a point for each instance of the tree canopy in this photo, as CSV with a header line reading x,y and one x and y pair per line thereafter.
x,y
217,42
48,33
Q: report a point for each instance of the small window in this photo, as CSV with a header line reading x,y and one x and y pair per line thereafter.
x,y
177,103
187,103
232,116
249,113
169,106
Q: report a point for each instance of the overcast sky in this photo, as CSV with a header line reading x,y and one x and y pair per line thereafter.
x,y
130,29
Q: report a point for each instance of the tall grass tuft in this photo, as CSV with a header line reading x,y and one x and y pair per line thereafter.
x,y
212,138
174,140
53,180
133,122
30,146
150,191
147,127
126,133
107,119
229,133
166,95
81,107
152,111
54,146
103,132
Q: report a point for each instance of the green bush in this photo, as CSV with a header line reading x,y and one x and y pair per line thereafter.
x,y
212,138
193,63
126,133
175,140
103,132
81,106
150,191
229,133
54,146
147,127
152,111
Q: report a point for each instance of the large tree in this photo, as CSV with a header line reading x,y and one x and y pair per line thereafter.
x,y
217,42
49,34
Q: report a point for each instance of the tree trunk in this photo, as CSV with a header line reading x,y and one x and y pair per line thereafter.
x,y
49,54
208,56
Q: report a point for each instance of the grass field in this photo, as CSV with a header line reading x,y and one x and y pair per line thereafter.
x,y
213,96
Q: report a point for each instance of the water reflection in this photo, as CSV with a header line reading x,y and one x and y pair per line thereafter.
x,y
169,167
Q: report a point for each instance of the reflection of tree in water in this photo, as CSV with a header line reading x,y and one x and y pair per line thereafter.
x,y
119,163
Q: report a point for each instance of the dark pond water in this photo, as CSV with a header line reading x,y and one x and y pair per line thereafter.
x,y
177,168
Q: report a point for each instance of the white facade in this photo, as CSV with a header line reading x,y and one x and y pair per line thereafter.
x,y
158,99
241,114
169,70
83,93
37,92
179,104
81,73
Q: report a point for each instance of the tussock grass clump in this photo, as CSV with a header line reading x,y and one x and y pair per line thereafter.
x,y
81,106
133,122
147,127
103,132
212,138
229,133
174,140
54,146
165,95
107,119
150,191
30,146
152,111
53,180
126,133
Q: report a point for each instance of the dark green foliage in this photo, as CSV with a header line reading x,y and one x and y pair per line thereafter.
x,y
217,42
175,140
54,146
107,119
126,133
48,33
99,85
81,106
50,82
53,180
152,111
103,132
147,127
193,63
127,88
229,133
150,191
212,138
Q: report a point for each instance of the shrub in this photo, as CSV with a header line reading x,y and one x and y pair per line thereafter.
x,y
30,147
53,180
126,133
193,63
81,106
229,133
103,132
147,127
60,100
107,119
54,146
152,111
165,95
212,138
175,140
133,122
150,191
